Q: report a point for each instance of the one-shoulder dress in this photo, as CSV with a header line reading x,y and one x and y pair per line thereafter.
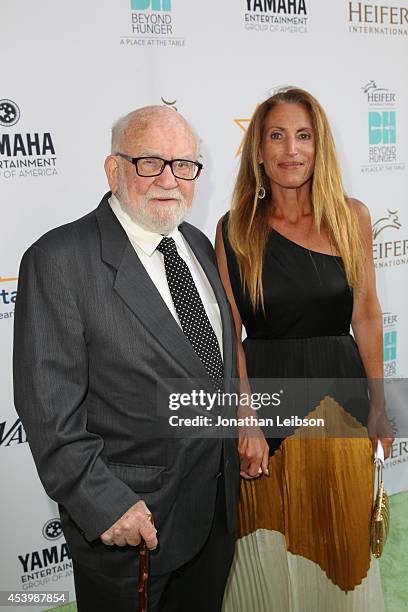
x,y
304,532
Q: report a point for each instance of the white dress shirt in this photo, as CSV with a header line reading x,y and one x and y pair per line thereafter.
x,y
145,244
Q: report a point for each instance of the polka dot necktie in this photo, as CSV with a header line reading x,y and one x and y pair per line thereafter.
x,y
190,310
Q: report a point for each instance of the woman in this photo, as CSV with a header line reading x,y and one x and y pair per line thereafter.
x,y
295,257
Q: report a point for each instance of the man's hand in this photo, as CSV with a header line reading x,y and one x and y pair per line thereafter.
x,y
131,528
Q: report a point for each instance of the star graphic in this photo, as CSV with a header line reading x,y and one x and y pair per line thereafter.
x,y
3,113
243,125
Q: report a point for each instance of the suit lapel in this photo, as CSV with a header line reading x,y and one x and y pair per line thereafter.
x,y
137,290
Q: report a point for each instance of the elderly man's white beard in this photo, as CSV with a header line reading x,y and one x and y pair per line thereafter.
x,y
154,217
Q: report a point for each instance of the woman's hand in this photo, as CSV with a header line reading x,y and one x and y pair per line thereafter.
x,y
367,324
253,449
380,427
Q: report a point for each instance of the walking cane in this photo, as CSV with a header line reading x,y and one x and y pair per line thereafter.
x,y
144,571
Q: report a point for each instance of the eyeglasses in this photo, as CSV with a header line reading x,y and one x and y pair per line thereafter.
x,y
154,166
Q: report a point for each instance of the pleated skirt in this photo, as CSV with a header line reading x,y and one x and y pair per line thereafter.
x,y
304,532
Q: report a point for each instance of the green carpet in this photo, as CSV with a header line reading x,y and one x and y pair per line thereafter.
x,y
394,562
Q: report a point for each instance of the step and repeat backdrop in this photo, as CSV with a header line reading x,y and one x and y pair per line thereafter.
x,y
69,69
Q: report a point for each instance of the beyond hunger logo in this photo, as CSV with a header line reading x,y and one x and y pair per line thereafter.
x,y
152,24
382,129
48,565
26,153
390,322
376,19
287,16
389,249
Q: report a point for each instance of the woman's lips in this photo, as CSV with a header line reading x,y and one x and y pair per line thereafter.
x,y
290,165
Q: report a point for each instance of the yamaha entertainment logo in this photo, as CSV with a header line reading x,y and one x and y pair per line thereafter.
x,y
276,16
47,565
27,153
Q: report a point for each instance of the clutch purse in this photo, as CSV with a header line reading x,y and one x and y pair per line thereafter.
x,y
380,520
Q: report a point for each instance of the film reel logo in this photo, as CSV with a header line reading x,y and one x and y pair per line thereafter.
x,y
9,113
52,529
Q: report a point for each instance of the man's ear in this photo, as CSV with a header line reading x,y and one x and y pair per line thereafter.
x,y
111,169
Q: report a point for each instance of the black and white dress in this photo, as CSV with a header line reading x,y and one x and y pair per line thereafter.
x,y
304,534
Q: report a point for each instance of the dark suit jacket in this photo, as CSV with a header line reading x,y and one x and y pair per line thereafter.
x,y
93,339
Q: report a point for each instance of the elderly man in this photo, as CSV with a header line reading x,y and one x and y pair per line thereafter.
x,y
109,307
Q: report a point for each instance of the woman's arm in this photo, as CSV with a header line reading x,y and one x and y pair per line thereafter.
x,y
368,332
253,451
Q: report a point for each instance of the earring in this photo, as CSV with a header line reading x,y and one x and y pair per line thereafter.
x,y
261,193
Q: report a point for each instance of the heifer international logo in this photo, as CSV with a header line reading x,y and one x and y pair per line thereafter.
x,y
389,247
24,154
284,16
377,19
170,103
398,455
152,25
389,220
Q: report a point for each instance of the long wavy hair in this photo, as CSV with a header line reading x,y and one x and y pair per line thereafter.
x,y
248,226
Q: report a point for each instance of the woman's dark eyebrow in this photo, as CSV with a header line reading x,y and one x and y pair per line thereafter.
x,y
277,127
